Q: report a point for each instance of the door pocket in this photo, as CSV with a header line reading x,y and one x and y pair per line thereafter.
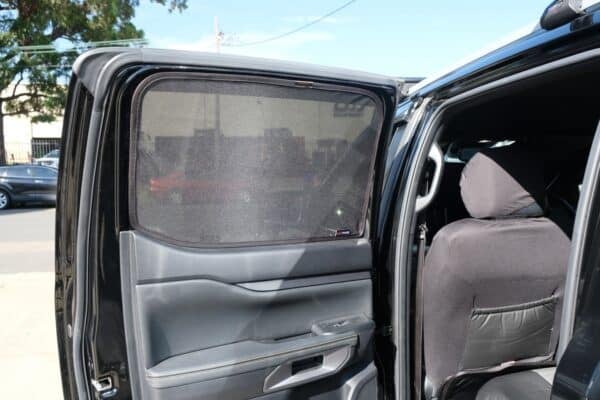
x,y
509,333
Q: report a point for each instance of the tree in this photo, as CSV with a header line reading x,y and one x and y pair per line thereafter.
x,y
40,39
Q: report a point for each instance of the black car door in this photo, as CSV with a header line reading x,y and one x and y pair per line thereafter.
x,y
21,182
44,181
216,238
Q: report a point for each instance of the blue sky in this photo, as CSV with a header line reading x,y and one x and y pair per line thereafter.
x,y
400,37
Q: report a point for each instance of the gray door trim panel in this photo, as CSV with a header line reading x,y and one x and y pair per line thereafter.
x,y
247,264
353,387
222,361
282,284
178,318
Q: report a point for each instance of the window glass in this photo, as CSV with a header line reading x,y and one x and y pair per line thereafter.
x,y
53,154
19,172
225,162
45,172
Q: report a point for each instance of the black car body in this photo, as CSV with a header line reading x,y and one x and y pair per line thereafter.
x,y
28,184
163,299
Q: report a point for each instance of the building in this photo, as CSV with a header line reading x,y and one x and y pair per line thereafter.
x,y
25,140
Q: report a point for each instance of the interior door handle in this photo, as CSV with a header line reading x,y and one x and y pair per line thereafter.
x,y
295,358
435,155
306,369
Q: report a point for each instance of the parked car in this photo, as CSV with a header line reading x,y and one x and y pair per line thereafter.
x,y
20,184
50,159
445,252
176,185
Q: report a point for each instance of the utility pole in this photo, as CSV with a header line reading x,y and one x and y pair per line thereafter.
x,y
218,35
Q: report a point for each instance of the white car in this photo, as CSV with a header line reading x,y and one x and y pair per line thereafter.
x,y
49,159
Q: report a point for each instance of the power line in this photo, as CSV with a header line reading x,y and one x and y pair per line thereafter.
x,y
282,35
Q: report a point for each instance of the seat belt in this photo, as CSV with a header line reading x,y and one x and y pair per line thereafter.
x,y
418,342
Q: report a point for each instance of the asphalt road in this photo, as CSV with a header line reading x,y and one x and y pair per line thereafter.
x,y
29,366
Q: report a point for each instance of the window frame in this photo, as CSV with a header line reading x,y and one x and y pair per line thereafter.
x,y
134,129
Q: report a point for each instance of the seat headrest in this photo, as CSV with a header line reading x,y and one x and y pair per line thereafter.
x,y
503,182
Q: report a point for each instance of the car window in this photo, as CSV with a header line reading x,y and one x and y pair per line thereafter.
x,y
18,172
52,154
226,162
44,172
3,172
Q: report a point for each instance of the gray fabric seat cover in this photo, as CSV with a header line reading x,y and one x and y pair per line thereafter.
x,y
525,385
492,284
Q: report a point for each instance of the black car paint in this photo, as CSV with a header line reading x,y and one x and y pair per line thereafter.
x,y
74,139
105,353
578,373
37,187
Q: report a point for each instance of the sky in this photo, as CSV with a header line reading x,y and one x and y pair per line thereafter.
x,y
392,37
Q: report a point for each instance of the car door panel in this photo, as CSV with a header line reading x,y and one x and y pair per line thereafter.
x,y
31,184
210,304
45,184
20,183
198,316
225,291
248,264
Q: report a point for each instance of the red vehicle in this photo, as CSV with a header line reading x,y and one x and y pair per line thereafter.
x,y
181,188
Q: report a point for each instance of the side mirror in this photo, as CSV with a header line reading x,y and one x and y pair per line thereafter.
x,y
560,12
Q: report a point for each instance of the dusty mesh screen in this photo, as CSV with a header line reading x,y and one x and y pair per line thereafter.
x,y
226,162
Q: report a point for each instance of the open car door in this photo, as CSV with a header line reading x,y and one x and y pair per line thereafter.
x,y
215,227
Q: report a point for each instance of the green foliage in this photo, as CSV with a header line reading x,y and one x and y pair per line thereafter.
x,y
64,23
31,32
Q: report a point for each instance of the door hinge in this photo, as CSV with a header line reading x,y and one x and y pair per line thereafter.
x,y
104,387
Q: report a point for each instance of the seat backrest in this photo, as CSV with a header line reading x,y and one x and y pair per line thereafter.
x,y
493,283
